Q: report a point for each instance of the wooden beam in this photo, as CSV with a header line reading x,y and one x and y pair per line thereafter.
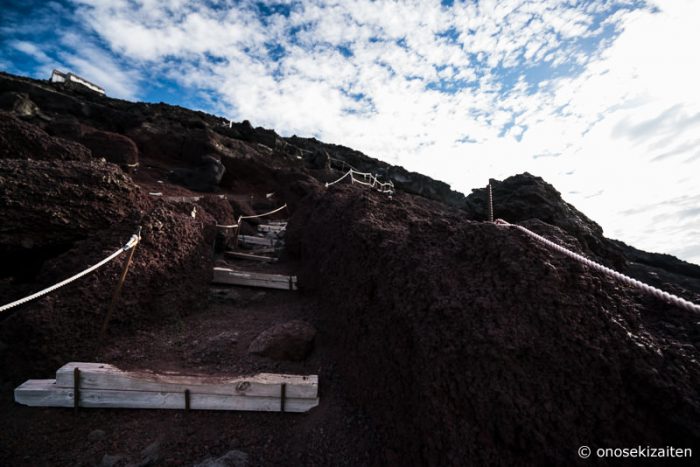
x,y
264,250
272,228
45,393
239,255
252,240
254,279
108,377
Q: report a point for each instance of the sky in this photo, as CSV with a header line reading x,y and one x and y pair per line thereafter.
x,y
598,97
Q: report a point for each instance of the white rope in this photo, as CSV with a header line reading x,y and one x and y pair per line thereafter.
x,y
658,293
129,245
231,226
383,187
263,215
349,172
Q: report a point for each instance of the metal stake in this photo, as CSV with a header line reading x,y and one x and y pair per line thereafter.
x,y
118,289
76,389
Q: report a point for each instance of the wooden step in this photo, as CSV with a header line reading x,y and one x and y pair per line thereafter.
x,y
257,241
264,250
272,228
45,393
239,255
105,386
104,376
254,279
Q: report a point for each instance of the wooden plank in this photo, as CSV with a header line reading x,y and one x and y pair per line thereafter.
x,y
254,279
45,393
272,228
239,255
252,240
264,250
104,376
256,275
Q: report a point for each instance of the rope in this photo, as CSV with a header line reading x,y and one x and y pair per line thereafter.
x,y
349,172
658,293
383,187
263,215
133,241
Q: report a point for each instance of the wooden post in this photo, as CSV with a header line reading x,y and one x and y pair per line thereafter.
x,y
117,290
490,204
237,231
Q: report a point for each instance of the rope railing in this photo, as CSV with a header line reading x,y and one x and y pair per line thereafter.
x,y
238,224
233,226
368,179
658,293
265,214
133,241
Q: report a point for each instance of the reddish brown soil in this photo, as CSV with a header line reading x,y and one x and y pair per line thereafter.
x,y
467,343
213,339
441,341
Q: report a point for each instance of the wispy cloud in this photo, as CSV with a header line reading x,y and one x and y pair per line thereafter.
x,y
597,96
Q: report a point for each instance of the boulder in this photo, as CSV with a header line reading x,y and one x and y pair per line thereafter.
x,y
525,196
292,340
50,203
23,140
19,104
114,147
206,176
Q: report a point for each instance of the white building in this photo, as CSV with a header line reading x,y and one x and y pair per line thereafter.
x,y
60,77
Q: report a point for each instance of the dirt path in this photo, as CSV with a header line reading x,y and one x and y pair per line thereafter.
x,y
212,340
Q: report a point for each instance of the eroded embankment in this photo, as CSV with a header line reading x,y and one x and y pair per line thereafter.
x,y
470,344
61,218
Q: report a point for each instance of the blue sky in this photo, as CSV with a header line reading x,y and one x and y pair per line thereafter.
x,y
599,97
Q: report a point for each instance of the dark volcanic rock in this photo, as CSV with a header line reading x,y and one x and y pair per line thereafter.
x,y
410,182
205,176
114,147
168,279
524,196
19,104
164,139
514,354
46,203
292,340
22,140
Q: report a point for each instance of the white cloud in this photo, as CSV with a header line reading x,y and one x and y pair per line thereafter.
x,y
599,99
97,66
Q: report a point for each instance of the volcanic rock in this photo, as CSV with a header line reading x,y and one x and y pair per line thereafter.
x,y
22,140
19,104
525,196
292,340
47,203
205,176
501,340
114,147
